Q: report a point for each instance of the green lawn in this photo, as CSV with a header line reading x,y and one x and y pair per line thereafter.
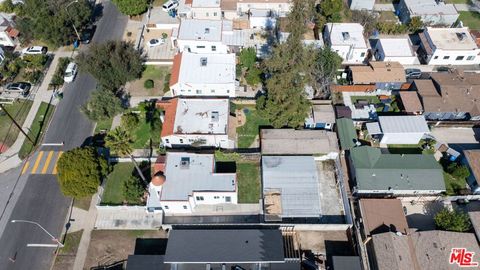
x,y
408,149
8,131
470,19
248,132
103,125
370,99
72,240
142,134
467,2
113,193
37,129
453,184
248,177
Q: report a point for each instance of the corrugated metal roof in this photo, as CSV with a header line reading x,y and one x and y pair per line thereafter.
x,y
403,124
373,128
297,180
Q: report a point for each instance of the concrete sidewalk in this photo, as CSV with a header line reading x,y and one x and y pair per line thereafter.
x,y
9,159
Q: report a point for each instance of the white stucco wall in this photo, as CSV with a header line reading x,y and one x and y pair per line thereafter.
x,y
188,89
200,46
439,55
216,140
354,55
206,13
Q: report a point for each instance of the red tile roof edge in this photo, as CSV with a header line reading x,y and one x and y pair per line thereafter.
x,y
170,108
177,61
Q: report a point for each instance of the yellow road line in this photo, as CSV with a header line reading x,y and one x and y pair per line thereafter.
x,y
37,162
55,167
25,167
47,162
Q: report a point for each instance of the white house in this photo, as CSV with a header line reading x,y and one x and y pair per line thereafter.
x,y
431,12
199,36
280,7
195,122
189,180
361,4
347,40
206,9
403,129
448,46
262,19
395,50
195,74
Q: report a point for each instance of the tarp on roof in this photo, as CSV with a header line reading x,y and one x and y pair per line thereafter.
x,y
346,133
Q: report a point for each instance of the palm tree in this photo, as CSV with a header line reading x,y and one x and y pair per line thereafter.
x,y
120,142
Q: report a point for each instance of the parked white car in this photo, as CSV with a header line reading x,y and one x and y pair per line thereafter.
x,y
35,50
70,72
155,42
171,4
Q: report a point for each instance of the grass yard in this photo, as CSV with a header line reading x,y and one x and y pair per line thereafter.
x,y
103,125
453,184
113,193
37,129
248,132
248,177
142,134
408,149
370,99
470,19
158,74
466,2
8,131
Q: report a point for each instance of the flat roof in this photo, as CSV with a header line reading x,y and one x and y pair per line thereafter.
x,y
383,215
224,246
430,7
297,142
346,133
205,3
451,38
295,178
143,262
346,34
206,68
403,124
397,47
188,172
323,113
201,116
204,30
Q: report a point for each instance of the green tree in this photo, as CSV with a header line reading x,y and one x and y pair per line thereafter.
x,y
449,220
253,76
367,19
460,172
332,9
119,141
133,190
415,24
113,63
103,104
80,172
324,69
129,120
248,57
7,6
131,7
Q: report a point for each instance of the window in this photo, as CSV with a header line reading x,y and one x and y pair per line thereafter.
x,y
471,57
446,57
206,14
216,197
181,140
184,207
228,91
200,47
214,14
436,57
199,92
362,54
214,48
212,91
199,198
167,141
166,207
228,199
459,58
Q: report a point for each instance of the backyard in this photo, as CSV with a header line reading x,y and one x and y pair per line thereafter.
x,y
158,77
382,103
8,131
113,189
248,132
452,184
409,149
40,123
470,19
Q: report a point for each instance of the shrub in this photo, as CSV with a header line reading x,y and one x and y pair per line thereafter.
x,y
148,84
253,76
449,220
248,57
133,190
129,120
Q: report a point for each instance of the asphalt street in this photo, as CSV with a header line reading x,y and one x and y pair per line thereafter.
x,y
41,200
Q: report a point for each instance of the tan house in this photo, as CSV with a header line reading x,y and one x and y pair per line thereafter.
x,y
384,75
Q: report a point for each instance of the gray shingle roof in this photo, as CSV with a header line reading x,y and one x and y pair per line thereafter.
x,y
224,246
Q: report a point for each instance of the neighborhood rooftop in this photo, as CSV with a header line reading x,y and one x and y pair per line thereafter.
x,y
430,7
451,38
297,142
378,72
347,34
205,3
383,215
205,30
403,124
393,47
187,172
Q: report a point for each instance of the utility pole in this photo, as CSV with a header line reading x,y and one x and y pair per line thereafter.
x,y
16,124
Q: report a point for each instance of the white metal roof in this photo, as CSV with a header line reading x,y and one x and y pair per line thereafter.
x,y
396,47
373,128
206,30
201,116
430,7
403,124
195,173
296,178
346,34
205,3
217,68
451,38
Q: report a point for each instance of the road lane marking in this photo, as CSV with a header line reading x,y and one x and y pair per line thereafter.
x,y
55,167
25,167
47,162
37,162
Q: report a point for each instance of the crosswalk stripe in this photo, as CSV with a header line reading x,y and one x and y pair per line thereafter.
x,y
37,162
55,167
47,162
25,167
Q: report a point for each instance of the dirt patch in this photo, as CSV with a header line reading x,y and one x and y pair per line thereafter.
x,y
241,119
110,246
323,242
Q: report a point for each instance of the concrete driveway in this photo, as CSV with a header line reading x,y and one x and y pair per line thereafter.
x,y
458,138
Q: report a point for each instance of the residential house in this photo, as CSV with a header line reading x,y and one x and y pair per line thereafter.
x,y
420,250
206,9
190,122
8,32
195,74
200,36
382,215
431,12
401,129
448,46
262,18
298,142
395,49
384,75
376,173
411,102
227,248
346,39
450,96
322,116
347,135
279,7
190,180
361,4
472,158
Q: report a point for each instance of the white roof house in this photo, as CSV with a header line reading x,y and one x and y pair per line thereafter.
x,y
396,50
196,74
432,12
347,40
405,129
189,180
194,29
